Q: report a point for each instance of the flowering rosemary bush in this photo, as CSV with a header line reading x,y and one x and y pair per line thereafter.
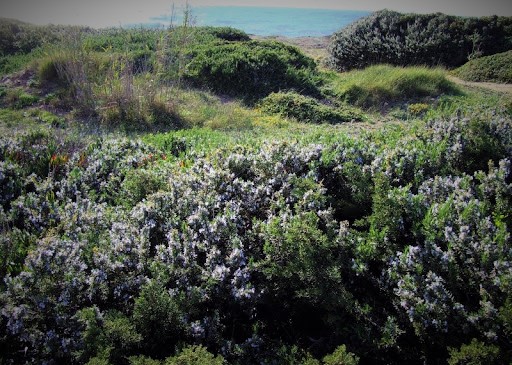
x,y
387,247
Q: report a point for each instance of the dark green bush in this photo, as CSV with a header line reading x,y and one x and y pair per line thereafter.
x,y
142,61
221,33
307,109
250,69
142,360
412,39
122,40
34,153
140,183
341,357
157,318
475,353
494,68
195,355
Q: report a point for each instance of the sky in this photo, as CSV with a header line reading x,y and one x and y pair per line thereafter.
x,y
101,13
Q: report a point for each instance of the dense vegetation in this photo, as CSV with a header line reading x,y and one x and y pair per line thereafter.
x,y
155,210
415,39
21,42
495,68
251,69
307,109
398,249
380,84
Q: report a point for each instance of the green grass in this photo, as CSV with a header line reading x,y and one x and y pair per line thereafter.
x,y
204,141
16,62
495,68
13,122
475,104
198,108
377,85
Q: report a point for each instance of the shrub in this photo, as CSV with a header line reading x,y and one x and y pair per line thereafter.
x,y
18,61
120,336
341,356
307,109
291,355
203,34
250,69
33,153
140,183
475,353
412,39
122,40
10,183
158,319
142,360
494,68
396,243
194,355
142,61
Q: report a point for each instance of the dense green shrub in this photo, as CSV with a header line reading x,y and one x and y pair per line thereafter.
x,y
341,357
250,69
413,39
122,39
475,353
307,109
158,319
494,68
220,33
194,355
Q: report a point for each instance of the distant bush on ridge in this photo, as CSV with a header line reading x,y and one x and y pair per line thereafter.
x,y
418,39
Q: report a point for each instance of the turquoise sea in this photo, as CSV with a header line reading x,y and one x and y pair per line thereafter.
x,y
267,21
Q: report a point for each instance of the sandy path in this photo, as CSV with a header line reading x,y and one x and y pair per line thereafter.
x,y
504,88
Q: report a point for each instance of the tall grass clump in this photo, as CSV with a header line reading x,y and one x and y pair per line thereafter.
x,y
21,43
17,37
73,67
133,100
494,68
418,39
119,88
381,84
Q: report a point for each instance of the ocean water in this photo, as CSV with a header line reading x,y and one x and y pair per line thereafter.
x,y
267,21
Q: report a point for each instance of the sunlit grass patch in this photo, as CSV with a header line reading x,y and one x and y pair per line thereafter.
x,y
377,85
